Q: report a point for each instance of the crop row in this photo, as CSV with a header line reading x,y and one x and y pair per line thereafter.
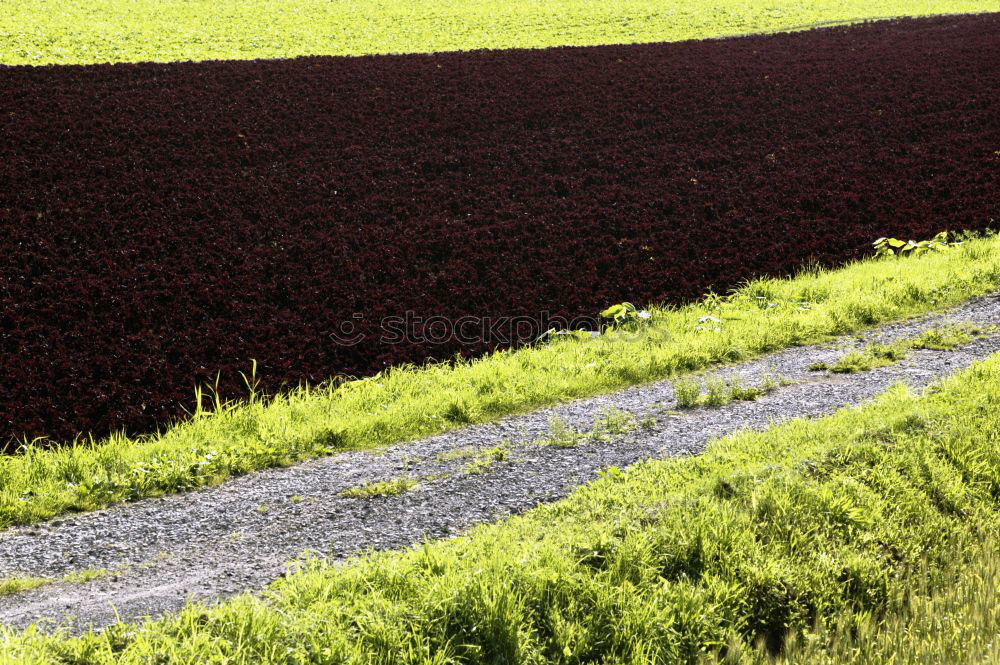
x,y
160,223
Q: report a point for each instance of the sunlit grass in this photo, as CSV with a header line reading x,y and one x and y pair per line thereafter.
x,y
954,621
610,425
393,487
690,393
943,338
12,585
951,337
19,584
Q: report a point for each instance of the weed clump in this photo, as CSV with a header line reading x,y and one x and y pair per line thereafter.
x,y
611,424
690,394
393,487
944,338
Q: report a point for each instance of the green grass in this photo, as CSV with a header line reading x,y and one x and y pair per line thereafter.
x,y
943,338
480,459
690,394
956,622
457,454
393,487
12,585
410,402
562,435
39,32
84,576
610,424
867,359
485,459
851,520
951,337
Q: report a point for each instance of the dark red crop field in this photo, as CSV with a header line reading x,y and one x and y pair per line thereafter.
x,y
159,223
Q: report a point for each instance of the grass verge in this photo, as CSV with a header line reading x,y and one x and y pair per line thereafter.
x,y
40,32
853,520
411,402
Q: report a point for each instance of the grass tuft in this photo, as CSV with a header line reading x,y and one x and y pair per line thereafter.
x,y
944,338
486,459
951,337
869,358
718,392
562,435
393,487
12,585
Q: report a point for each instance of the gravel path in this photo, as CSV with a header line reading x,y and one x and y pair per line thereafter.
x,y
239,536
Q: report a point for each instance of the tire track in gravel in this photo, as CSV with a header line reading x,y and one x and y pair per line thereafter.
x,y
239,536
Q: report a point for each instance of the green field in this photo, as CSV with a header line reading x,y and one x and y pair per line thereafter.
x,y
40,32
876,524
